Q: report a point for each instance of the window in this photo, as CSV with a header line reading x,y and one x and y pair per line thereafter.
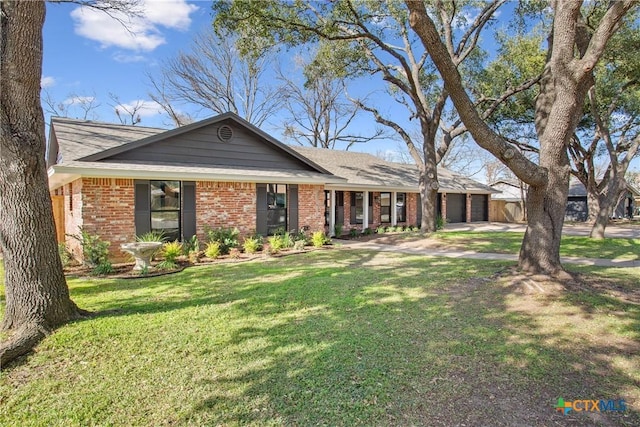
x,y
357,214
401,207
165,208
327,207
385,207
276,208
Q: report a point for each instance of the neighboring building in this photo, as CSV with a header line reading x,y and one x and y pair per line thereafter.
x,y
577,206
121,181
508,204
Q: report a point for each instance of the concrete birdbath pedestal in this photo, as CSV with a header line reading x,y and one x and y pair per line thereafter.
x,y
142,252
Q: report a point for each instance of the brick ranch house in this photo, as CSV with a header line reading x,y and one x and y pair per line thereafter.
x,y
120,181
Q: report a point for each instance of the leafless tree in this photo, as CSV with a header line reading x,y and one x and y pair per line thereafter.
x,y
215,77
85,105
320,115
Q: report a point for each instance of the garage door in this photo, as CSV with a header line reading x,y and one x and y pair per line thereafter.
x,y
456,207
479,207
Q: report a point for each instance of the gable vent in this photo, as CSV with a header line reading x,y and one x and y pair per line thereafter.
x,y
225,133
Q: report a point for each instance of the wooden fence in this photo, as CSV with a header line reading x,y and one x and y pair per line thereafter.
x,y
58,216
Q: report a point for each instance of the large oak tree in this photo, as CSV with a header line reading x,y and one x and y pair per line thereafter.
x,y
574,51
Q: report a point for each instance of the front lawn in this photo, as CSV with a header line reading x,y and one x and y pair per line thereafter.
x,y
509,243
336,337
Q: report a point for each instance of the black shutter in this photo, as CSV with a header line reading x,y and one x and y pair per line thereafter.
x,y
188,209
293,207
419,210
261,209
352,211
142,210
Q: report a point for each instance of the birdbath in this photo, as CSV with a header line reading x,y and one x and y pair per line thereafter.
x,y
142,252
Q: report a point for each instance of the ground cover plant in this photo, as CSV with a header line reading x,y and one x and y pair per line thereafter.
x,y
338,338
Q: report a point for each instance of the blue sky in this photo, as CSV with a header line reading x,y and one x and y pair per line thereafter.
x,y
89,54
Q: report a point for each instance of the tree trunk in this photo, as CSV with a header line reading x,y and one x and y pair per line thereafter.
x,y
37,297
429,203
600,222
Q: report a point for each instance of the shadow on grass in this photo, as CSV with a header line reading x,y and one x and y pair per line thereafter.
x,y
369,339
365,338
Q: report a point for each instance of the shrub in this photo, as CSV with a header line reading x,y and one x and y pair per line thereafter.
x,y
299,245
338,230
276,243
440,222
368,231
299,236
319,239
191,245
95,251
152,236
226,237
252,245
353,232
213,250
103,268
381,229
194,256
171,251
287,240
234,253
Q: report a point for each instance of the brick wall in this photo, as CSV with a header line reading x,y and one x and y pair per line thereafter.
x,y
108,210
225,204
311,207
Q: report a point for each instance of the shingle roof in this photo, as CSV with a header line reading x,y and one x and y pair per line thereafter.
x,y
82,138
366,170
79,139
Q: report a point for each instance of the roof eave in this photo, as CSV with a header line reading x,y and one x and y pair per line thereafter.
x,y
61,174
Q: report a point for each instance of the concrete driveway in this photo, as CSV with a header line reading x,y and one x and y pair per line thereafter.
x,y
572,229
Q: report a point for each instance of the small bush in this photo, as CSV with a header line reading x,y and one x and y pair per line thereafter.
x,y
226,237
319,239
276,243
287,240
353,232
103,268
338,230
381,230
299,245
191,245
440,222
152,236
95,251
213,250
171,251
234,253
398,228
252,245
368,231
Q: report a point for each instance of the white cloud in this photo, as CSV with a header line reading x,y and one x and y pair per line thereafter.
x,y
139,33
47,81
141,107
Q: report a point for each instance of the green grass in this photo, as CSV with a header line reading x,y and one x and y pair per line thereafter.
x,y
334,338
509,243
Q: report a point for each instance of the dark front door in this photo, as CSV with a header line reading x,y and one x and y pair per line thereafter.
x,y
456,207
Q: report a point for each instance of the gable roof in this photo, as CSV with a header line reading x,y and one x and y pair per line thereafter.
x,y
366,171
74,139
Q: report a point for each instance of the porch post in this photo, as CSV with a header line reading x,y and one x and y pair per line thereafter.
x,y
365,210
394,213
332,213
